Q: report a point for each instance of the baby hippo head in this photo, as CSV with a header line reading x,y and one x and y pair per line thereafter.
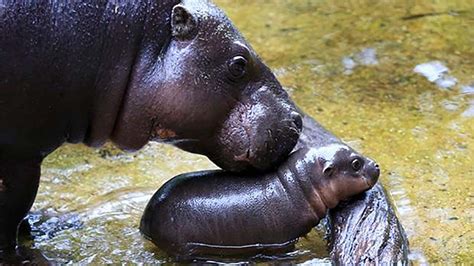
x,y
343,173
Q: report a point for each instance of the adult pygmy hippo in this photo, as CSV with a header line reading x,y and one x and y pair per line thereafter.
x,y
220,213
130,71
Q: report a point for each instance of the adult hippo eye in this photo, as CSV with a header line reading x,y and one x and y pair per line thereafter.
x,y
356,164
238,67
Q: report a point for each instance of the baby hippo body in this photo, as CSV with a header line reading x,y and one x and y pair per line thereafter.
x,y
221,213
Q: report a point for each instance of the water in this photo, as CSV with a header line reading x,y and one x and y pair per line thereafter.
x,y
349,64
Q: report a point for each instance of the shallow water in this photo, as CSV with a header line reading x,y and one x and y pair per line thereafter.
x,y
350,65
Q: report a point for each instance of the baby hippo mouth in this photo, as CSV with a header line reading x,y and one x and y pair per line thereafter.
x,y
256,137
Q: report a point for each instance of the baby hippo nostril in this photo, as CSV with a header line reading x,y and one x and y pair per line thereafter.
x,y
297,120
374,171
377,173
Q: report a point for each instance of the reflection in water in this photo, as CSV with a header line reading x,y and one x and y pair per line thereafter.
x,y
366,57
405,210
436,72
470,110
468,91
422,136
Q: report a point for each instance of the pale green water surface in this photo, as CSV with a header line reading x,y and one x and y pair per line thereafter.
x,y
350,65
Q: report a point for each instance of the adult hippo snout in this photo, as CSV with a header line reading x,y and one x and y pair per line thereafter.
x,y
259,132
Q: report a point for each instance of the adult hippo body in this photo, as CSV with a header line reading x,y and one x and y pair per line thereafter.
x,y
130,72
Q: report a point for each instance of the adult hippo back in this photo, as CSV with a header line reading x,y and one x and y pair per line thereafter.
x,y
130,71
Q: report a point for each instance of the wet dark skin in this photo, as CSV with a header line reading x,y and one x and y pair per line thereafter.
x,y
171,71
217,213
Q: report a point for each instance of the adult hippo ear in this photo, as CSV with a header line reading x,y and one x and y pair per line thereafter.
x,y
183,23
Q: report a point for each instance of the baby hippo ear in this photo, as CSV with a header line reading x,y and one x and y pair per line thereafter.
x,y
328,169
183,23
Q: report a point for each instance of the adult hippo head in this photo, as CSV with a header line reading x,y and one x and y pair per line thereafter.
x,y
208,92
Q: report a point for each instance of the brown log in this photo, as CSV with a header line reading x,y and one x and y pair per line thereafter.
x,y
366,230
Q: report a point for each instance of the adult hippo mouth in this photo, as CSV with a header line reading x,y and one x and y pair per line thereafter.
x,y
259,133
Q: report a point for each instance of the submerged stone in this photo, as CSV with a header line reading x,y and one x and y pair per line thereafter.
x,y
366,57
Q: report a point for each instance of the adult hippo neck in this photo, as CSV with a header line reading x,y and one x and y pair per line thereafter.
x,y
173,71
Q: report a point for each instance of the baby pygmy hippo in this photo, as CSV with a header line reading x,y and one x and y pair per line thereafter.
x,y
221,213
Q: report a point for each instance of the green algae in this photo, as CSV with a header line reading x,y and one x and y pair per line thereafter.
x,y
417,132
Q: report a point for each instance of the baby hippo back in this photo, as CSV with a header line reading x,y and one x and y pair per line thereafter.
x,y
220,213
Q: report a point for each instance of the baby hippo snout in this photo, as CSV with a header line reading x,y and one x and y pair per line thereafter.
x,y
297,120
373,172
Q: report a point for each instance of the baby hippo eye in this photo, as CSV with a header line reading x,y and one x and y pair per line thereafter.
x,y
356,164
238,66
